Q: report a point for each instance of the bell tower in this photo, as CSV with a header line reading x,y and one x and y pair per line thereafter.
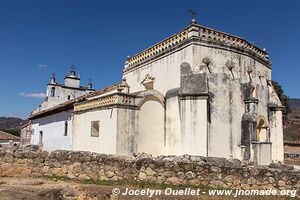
x,y
72,79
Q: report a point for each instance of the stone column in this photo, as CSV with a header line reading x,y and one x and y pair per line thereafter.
x,y
249,131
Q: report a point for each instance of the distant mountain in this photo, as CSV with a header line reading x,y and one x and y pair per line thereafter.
x,y
11,123
291,128
295,103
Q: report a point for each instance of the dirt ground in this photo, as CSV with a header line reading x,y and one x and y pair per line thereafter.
x,y
52,189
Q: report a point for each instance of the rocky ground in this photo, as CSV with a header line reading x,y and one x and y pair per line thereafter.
x,y
54,189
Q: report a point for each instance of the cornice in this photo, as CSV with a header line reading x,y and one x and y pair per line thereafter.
x,y
204,35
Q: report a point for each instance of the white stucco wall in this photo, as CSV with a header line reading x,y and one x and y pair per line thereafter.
x,y
276,136
166,71
193,126
61,95
151,128
173,126
53,127
227,102
127,130
106,142
262,153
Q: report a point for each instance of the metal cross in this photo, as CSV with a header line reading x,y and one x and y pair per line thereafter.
x,y
192,13
53,74
73,67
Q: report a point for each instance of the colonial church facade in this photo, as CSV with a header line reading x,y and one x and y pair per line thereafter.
x,y
200,92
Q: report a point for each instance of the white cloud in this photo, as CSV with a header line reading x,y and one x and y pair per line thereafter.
x,y
42,65
33,95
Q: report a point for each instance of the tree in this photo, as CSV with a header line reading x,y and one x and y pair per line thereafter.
x,y
283,98
15,132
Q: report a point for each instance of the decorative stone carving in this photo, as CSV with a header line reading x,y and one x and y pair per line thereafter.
x,y
96,103
124,87
105,101
157,49
253,91
148,82
260,75
230,65
206,61
249,72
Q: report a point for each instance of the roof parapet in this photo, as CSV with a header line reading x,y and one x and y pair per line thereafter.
x,y
192,31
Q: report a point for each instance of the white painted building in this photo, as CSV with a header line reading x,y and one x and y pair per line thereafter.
x,y
51,122
199,92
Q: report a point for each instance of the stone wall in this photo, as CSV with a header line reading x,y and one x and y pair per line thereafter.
x,y
188,170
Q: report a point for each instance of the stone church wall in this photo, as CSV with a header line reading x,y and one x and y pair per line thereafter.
x,y
189,170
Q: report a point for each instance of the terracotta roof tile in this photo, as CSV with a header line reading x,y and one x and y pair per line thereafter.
x,y
296,143
73,101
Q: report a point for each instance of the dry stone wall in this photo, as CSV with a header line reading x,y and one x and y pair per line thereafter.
x,y
188,170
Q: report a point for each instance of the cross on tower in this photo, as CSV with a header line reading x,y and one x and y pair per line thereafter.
x,y
73,67
192,13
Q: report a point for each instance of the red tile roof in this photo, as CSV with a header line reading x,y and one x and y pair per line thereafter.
x,y
292,143
70,104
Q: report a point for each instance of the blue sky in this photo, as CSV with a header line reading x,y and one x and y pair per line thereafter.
x,y
44,36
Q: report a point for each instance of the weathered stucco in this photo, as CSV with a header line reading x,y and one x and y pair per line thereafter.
x,y
199,92
106,142
226,77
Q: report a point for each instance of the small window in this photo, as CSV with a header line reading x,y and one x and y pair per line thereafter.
x,y
41,138
52,92
66,128
69,97
95,127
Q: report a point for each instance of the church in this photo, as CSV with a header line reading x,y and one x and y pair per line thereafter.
x,y
199,92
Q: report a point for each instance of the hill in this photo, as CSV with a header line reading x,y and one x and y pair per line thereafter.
x,y
295,104
292,126
12,125
11,122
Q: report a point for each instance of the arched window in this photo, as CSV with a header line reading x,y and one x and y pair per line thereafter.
x,y
262,129
52,92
